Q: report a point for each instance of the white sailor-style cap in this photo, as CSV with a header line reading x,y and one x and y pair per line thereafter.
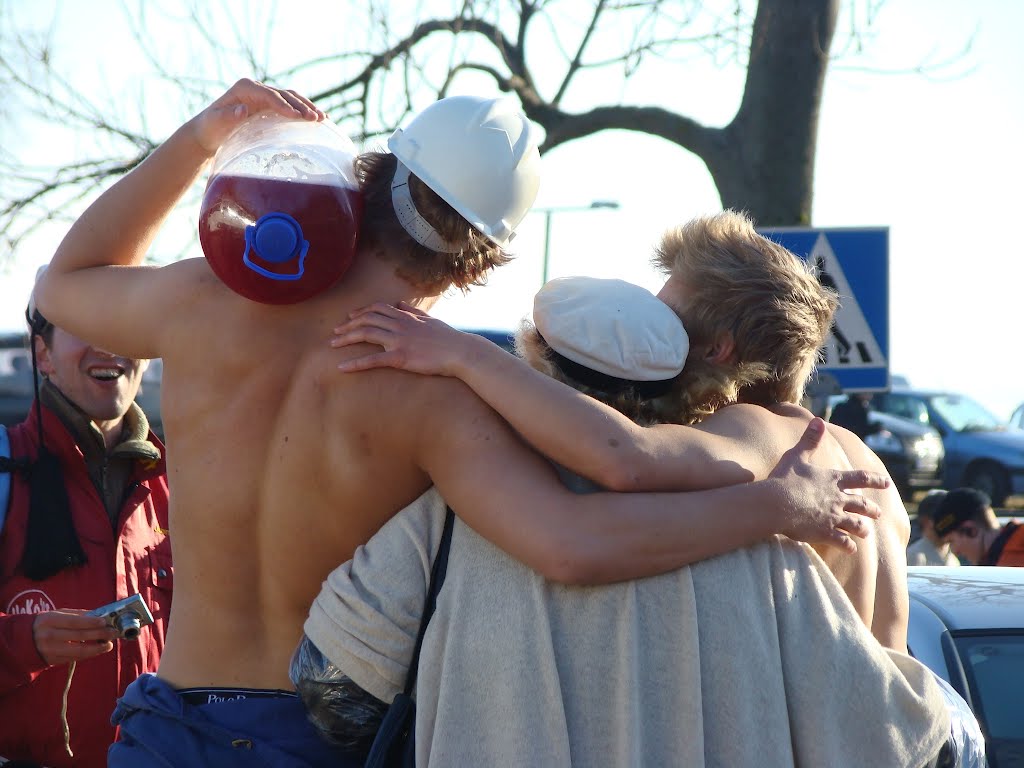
x,y
611,327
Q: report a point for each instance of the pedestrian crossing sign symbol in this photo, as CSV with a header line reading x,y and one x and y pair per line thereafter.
x,y
855,264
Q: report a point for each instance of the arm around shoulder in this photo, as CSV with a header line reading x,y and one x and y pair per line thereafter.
x,y
598,442
512,496
581,433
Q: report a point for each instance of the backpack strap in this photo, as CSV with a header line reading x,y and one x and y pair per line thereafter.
x,y
394,746
437,574
6,468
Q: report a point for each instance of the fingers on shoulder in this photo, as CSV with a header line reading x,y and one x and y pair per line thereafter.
x,y
857,479
813,434
854,525
843,541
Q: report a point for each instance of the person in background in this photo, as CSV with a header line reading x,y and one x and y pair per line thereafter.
x,y
852,414
966,520
930,548
85,525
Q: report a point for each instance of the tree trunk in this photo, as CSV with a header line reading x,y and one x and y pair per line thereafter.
x,y
763,161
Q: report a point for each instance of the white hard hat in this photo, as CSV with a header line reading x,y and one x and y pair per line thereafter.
x,y
479,155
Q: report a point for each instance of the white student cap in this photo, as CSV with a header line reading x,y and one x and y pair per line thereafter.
x,y
612,327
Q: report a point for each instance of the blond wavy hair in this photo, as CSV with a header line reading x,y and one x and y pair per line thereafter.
x,y
768,299
381,232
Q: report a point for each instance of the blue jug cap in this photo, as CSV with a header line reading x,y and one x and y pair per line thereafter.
x,y
277,237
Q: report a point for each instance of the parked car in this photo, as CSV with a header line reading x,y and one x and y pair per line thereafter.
x,y
967,625
911,452
981,452
16,391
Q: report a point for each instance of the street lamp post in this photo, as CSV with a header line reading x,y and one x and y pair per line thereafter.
x,y
611,205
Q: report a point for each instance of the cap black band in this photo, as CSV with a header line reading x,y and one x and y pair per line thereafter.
x,y
37,324
609,385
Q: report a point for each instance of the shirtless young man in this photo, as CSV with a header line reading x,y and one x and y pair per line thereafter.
x,y
279,471
756,317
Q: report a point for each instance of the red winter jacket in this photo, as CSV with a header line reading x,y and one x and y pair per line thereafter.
x,y
137,558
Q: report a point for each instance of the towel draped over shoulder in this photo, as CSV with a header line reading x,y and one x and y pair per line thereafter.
x,y
749,659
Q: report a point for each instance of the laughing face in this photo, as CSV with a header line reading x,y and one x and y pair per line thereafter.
x,y
101,384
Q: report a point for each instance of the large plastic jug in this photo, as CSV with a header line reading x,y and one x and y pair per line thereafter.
x,y
280,217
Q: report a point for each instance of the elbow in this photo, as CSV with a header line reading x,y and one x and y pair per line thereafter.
x,y
569,572
570,561
40,298
46,290
621,473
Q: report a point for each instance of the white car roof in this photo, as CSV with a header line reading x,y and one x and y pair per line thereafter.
x,y
970,597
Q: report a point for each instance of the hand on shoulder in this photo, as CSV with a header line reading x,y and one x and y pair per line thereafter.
x,y
411,340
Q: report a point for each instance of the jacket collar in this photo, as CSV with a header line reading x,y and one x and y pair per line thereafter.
x,y
134,442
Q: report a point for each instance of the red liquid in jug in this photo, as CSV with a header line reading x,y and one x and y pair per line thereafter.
x,y
329,217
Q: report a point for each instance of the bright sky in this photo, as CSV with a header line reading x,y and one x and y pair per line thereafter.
x,y
935,158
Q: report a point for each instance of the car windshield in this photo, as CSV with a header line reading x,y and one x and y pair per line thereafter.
x,y
15,371
964,414
995,673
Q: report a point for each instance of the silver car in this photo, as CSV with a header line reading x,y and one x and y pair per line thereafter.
x,y
967,625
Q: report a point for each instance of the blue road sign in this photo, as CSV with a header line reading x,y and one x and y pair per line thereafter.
x,y
855,263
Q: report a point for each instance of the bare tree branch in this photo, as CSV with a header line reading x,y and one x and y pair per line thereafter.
x,y
574,65
542,51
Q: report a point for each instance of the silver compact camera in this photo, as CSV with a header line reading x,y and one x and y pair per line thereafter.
x,y
127,616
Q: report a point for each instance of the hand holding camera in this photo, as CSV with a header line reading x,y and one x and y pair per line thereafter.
x,y
127,617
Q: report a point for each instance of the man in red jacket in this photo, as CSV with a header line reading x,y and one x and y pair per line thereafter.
x,y
86,525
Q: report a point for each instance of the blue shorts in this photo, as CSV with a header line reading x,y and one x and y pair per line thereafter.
x,y
160,727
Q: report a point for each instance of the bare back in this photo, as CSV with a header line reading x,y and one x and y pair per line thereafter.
x,y
875,577
280,468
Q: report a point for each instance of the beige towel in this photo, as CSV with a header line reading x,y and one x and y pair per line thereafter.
x,y
755,658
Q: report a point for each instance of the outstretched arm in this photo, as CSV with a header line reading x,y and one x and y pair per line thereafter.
x,y
87,290
513,497
587,436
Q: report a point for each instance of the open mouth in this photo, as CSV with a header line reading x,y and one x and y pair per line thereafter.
x,y
107,372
